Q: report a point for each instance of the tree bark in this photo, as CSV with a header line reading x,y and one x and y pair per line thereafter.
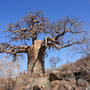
x,y
36,56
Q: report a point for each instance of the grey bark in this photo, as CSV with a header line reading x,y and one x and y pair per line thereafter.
x,y
36,57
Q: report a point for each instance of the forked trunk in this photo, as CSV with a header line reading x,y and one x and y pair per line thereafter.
x,y
36,56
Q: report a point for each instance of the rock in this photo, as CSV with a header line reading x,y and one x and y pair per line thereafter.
x,y
76,88
87,77
87,88
61,85
56,73
53,77
82,82
81,72
36,88
47,88
41,82
68,76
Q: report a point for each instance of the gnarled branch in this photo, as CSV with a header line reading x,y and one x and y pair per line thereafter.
x,y
13,49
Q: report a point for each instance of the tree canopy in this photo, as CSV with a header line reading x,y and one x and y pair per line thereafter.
x,y
61,34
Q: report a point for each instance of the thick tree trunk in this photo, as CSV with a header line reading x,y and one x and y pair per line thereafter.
x,y
36,56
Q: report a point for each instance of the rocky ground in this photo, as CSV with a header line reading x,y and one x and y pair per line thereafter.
x,y
74,76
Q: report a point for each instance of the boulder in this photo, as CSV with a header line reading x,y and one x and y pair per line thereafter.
x,y
82,82
36,88
41,82
61,85
87,88
81,72
54,75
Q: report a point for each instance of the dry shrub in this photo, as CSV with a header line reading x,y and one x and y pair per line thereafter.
x,y
8,72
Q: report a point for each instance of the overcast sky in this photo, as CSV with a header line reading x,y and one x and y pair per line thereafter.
x,y
14,10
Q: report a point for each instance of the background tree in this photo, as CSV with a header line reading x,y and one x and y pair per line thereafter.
x,y
85,47
54,61
61,34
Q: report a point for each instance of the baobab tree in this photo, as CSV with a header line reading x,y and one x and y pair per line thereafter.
x,y
60,34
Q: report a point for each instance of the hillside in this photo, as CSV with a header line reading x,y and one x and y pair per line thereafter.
x,y
74,76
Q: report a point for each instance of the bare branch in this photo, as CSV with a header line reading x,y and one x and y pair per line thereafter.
x,y
57,47
22,49
28,27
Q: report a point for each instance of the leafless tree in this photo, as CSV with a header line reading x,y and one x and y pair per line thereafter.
x,y
54,61
61,34
85,47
